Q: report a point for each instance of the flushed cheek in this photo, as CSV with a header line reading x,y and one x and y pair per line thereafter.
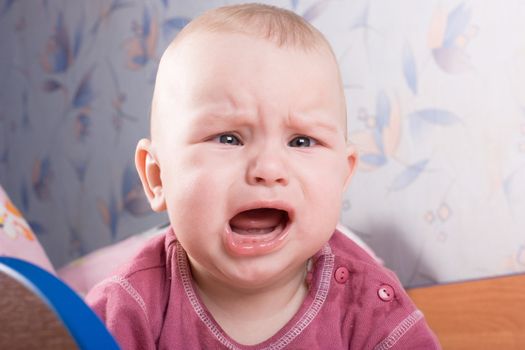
x,y
196,199
320,175
323,195
196,179
321,212
194,204
196,222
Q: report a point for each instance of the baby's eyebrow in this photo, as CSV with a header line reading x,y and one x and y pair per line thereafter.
x,y
220,117
306,123
310,122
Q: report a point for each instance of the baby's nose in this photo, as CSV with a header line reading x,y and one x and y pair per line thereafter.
x,y
268,168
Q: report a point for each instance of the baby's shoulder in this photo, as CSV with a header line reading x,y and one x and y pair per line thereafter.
x,y
135,277
151,256
367,291
138,290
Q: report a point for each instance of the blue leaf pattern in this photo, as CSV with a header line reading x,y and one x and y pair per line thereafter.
x,y
315,10
77,40
7,6
409,175
146,22
130,180
382,110
82,126
135,202
457,22
436,116
373,159
61,53
84,94
171,25
409,68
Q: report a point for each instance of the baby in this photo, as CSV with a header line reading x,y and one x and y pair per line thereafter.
x,y
248,155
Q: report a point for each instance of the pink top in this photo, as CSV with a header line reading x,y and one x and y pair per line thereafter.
x,y
353,303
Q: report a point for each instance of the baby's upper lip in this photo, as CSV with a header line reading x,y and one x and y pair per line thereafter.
x,y
269,204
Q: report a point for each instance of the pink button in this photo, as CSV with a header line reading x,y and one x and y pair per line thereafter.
x,y
341,274
386,292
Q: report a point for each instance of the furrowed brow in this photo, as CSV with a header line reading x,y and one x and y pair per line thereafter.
x,y
219,118
308,123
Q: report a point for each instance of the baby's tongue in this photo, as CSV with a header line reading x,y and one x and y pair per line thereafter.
x,y
256,221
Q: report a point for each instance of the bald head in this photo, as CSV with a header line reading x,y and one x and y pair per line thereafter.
x,y
281,27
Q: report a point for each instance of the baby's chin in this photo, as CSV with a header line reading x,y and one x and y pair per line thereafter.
x,y
263,272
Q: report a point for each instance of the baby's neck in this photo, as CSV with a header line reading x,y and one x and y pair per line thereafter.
x,y
251,317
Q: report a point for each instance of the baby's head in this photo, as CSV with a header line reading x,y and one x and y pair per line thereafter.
x,y
248,150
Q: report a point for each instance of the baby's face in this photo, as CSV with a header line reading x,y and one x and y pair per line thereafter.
x,y
250,141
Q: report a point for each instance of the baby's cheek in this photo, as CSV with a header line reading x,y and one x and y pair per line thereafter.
x,y
197,215
194,194
325,197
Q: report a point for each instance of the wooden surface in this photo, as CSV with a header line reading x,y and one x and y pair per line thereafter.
x,y
26,322
481,314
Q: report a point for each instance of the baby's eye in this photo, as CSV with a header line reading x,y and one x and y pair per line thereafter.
x,y
228,139
302,141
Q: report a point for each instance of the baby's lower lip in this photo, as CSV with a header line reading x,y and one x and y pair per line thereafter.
x,y
253,243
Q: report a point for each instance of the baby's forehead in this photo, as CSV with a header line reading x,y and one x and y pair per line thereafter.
x,y
193,64
221,52
232,58
238,58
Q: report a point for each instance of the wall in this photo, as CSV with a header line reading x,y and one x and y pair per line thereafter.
x,y
436,105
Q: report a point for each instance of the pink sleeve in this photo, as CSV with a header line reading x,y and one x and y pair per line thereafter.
x,y
411,333
420,336
123,312
406,326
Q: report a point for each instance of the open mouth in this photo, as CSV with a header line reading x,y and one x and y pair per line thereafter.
x,y
257,231
257,222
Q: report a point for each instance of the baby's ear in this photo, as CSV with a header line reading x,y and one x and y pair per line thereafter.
x,y
352,160
149,173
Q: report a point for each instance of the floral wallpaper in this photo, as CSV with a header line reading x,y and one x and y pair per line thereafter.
x,y
436,105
